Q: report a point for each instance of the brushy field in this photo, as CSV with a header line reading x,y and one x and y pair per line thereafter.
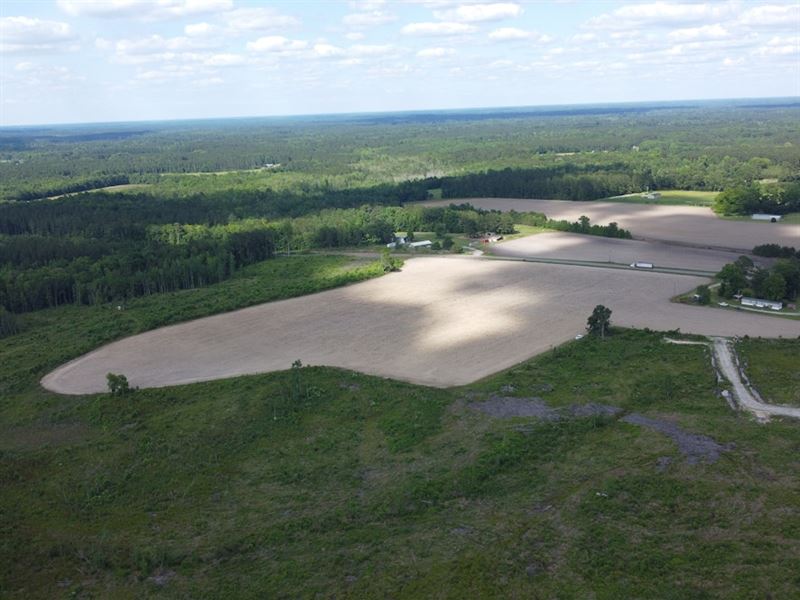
x,y
773,367
324,482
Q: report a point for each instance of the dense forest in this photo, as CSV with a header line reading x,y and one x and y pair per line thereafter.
x,y
95,248
190,203
568,154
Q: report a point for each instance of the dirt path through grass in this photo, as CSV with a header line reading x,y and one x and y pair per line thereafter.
x,y
745,396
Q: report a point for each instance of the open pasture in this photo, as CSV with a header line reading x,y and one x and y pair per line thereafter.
x,y
442,321
695,225
574,246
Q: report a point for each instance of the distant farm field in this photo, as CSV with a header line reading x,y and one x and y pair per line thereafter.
x,y
442,321
694,225
573,246
678,197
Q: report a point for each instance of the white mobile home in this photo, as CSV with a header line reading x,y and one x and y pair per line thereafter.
x,y
759,303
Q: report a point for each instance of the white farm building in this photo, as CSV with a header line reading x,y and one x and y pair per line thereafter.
x,y
759,303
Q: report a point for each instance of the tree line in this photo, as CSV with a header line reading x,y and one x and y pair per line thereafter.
x,y
778,282
141,258
759,198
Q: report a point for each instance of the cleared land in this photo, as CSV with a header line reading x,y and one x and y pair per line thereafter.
x,y
693,225
689,197
441,321
563,245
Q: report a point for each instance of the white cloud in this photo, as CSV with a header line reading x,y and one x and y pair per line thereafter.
x,y
444,28
660,14
39,76
276,43
155,44
148,10
354,36
706,32
200,29
224,60
371,49
510,34
771,15
732,62
327,50
474,13
368,19
780,46
258,19
436,52
29,34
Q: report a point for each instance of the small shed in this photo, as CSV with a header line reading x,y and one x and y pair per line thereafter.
x,y
766,217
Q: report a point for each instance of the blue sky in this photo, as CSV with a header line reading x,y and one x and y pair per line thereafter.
x,y
81,61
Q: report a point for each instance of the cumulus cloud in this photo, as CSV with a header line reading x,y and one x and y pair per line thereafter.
x,y
475,13
224,60
660,14
371,49
436,52
443,28
200,29
780,46
327,51
276,43
143,9
705,32
772,15
258,19
510,34
30,34
372,18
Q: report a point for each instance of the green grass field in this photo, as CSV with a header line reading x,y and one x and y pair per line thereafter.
x,y
318,482
679,197
773,367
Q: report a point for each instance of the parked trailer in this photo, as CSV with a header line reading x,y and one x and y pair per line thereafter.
x,y
641,265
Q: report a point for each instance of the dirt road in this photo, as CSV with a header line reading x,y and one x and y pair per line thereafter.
x,y
744,395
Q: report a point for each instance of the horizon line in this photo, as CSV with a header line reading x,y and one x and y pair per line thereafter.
x,y
462,109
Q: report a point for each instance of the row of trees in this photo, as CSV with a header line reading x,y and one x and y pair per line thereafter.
x,y
779,282
39,271
757,198
135,269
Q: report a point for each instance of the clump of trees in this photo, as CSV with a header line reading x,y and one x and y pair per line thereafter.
x,y
776,251
118,384
757,198
599,322
779,282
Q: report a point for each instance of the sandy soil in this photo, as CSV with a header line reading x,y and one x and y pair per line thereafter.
x,y
442,321
684,224
584,247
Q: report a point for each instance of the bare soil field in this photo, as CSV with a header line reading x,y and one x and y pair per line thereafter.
x,y
684,224
574,246
441,321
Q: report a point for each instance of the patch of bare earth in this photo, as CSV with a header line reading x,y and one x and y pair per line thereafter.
x,y
441,321
694,225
